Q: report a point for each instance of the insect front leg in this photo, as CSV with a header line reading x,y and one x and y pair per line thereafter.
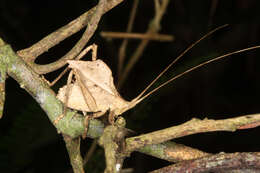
x,y
66,98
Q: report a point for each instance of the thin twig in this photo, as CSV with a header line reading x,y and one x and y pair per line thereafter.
x,y
212,11
90,151
155,36
193,126
154,27
122,49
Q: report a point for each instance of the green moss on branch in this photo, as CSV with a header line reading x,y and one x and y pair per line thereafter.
x,y
72,124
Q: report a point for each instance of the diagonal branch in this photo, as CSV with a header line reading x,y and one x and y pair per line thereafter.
x,y
93,16
31,53
122,49
72,124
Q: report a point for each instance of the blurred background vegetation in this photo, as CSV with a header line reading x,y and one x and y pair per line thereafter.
x,y
228,88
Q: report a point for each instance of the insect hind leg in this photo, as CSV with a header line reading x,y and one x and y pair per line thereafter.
x,y
88,116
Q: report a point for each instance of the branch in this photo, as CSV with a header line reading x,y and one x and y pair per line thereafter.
x,y
64,32
122,49
193,126
107,141
72,124
112,140
154,27
73,148
172,152
222,162
93,16
155,36
2,84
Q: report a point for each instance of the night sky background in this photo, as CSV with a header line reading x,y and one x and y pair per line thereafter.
x,y
228,88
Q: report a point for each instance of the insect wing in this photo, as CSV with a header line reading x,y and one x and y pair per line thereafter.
x,y
97,72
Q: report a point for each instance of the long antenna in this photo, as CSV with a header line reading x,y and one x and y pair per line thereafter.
x,y
174,61
193,68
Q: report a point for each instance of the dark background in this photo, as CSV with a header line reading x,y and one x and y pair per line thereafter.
x,y
228,88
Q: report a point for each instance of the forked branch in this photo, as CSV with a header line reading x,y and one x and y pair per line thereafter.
x,y
41,92
90,18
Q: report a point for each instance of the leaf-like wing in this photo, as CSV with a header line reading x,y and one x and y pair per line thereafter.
x,y
97,72
104,100
97,78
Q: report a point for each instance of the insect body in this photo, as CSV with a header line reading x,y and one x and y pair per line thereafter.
x,y
96,77
93,89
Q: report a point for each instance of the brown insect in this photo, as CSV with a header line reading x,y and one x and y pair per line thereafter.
x,y
93,89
